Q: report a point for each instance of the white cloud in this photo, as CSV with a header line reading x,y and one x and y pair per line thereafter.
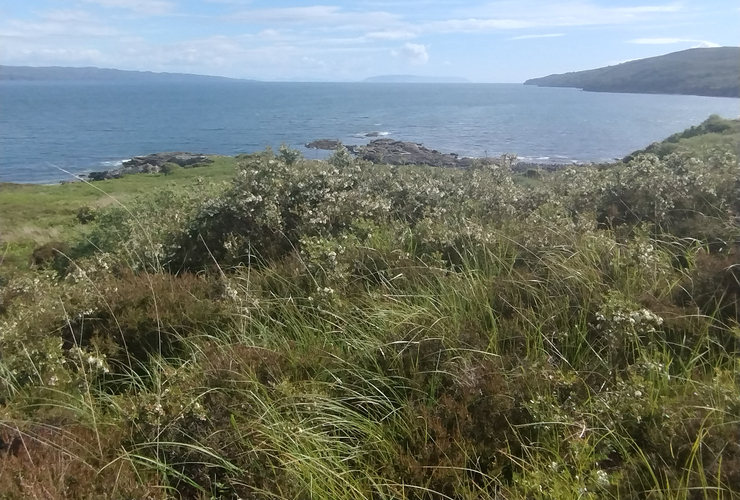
x,y
473,25
527,37
650,9
320,13
413,53
391,35
237,56
269,33
316,15
706,44
57,24
668,41
143,7
520,14
46,56
313,62
315,41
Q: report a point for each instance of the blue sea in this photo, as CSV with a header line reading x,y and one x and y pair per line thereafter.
x,y
47,128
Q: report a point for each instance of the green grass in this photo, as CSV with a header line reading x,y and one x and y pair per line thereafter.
x,y
712,135
342,330
36,214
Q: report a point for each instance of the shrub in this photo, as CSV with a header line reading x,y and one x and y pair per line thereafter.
x,y
338,329
85,215
53,253
167,168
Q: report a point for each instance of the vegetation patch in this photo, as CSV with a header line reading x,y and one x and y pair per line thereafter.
x,y
342,329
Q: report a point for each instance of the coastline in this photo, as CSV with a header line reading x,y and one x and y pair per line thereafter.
x,y
116,168
475,121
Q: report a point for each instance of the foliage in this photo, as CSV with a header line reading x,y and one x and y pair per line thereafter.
x,y
698,139
338,329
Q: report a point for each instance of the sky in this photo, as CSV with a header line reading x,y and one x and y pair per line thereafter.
x,y
500,41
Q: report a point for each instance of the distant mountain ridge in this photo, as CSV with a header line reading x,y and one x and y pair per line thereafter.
x,y
711,72
61,73
414,79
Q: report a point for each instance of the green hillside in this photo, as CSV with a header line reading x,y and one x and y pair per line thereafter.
x,y
705,71
712,134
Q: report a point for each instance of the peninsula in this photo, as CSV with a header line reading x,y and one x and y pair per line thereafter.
x,y
61,73
711,72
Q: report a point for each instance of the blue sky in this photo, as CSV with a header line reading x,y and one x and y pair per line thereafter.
x,y
484,41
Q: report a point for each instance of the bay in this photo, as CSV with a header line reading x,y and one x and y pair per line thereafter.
x,y
51,129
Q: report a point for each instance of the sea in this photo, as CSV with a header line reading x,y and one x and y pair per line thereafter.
x,y
52,131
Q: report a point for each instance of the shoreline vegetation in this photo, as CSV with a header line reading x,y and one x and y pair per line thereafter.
x,y
267,326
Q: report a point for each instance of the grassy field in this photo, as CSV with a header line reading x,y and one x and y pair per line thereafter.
x,y
345,330
36,214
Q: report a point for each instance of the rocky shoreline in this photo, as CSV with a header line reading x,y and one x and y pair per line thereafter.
x,y
387,151
394,152
152,164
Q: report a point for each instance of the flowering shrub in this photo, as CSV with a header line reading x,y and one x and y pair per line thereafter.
x,y
140,232
624,328
339,329
273,205
667,193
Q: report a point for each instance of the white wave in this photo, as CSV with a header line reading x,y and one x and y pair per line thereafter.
x,y
113,163
373,134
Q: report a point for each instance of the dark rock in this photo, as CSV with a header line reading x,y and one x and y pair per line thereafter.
x,y
328,144
156,160
105,175
407,153
151,164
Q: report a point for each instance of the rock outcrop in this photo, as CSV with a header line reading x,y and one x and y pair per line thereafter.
x,y
151,164
407,153
328,144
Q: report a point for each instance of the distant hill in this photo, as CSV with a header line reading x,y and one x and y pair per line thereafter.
x,y
705,71
59,73
414,79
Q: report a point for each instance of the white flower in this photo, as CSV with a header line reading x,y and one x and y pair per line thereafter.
x,y
602,477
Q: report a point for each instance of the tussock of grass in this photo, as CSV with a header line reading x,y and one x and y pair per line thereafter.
x,y
347,330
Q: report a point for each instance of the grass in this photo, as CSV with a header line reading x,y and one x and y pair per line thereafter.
x,y
713,134
36,214
342,330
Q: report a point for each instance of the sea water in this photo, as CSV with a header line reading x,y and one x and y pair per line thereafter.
x,y
49,130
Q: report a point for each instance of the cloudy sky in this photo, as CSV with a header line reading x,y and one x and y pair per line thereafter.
x,y
484,41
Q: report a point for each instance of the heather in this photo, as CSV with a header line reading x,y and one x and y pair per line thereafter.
x,y
343,329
